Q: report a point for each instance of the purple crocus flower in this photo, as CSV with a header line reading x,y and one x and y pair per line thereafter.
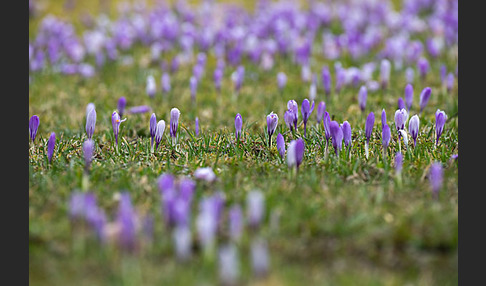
x,y
401,116
398,162
88,150
206,224
159,132
413,128
272,122
423,67
197,126
383,118
153,128
281,80
235,222
409,75
238,125
306,110
181,236
337,136
281,145
321,108
255,208
326,80
450,81
259,257
440,119
205,174
165,82
33,126
400,103
436,175
385,136
385,69
370,121
186,189
289,119
193,87
295,153
174,121
115,122
340,78
362,95
229,267
126,219
424,98
327,126
151,87
218,76
139,109
292,105
50,146
346,133
122,102
409,96
90,123
443,72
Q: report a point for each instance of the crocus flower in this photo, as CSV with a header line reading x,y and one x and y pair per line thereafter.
x,y
126,219
139,109
89,107
398,162
321,108
424,98
306,110
440,119
238,125
33,127
423,67
153,128
281,145
409,95
326,80
193,87
436,175
312,91
181,235
385,136
272,121
362,95
383,118
327,126
88,149
255,208
205,174
337,136
295,153
370,121
50,146
165,82
400,103
450,81
174,122
401,116
229,267
281,80
115,122
122,102
409,75
289,119
218,76
159,132
151,87
259,257
235,222
346,133
292,105
90,123
197,126
385,69
413,128
206,225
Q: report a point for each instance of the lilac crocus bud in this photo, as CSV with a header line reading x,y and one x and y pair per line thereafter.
x,y
238,125
88,149
312,91
401,117
181,236
197,126
281,145
259,257
122,102
385,69
362,95
151,87
321,108
450,81
346,133
206,225
159,132
115,122
90,123
186,189
33,127
193,87
440,119
327,126
398,162
424,98
139,109
89,107
153,128
272,122
165,82
423,67
126,219
370,122
436,175
409,96
255,208
385,136
400,103
413,128
281,80
409,75
292,104
337,137
295,153
443,72
306,110
326,80
229,267
205,174
235,222
174,121
383,118
289,119
50,146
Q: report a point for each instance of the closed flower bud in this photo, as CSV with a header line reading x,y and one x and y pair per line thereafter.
x,y
50,146
91,123
33,126
238,125
159,132
413,128
281,145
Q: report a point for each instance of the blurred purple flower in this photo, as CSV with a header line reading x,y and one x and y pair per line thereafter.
x,y
91,122
409,95
122,102
424,98
346,133
295,153
281,145
139,109
50,146
386,135
362,95
33,126
337,136
436,179
321,108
